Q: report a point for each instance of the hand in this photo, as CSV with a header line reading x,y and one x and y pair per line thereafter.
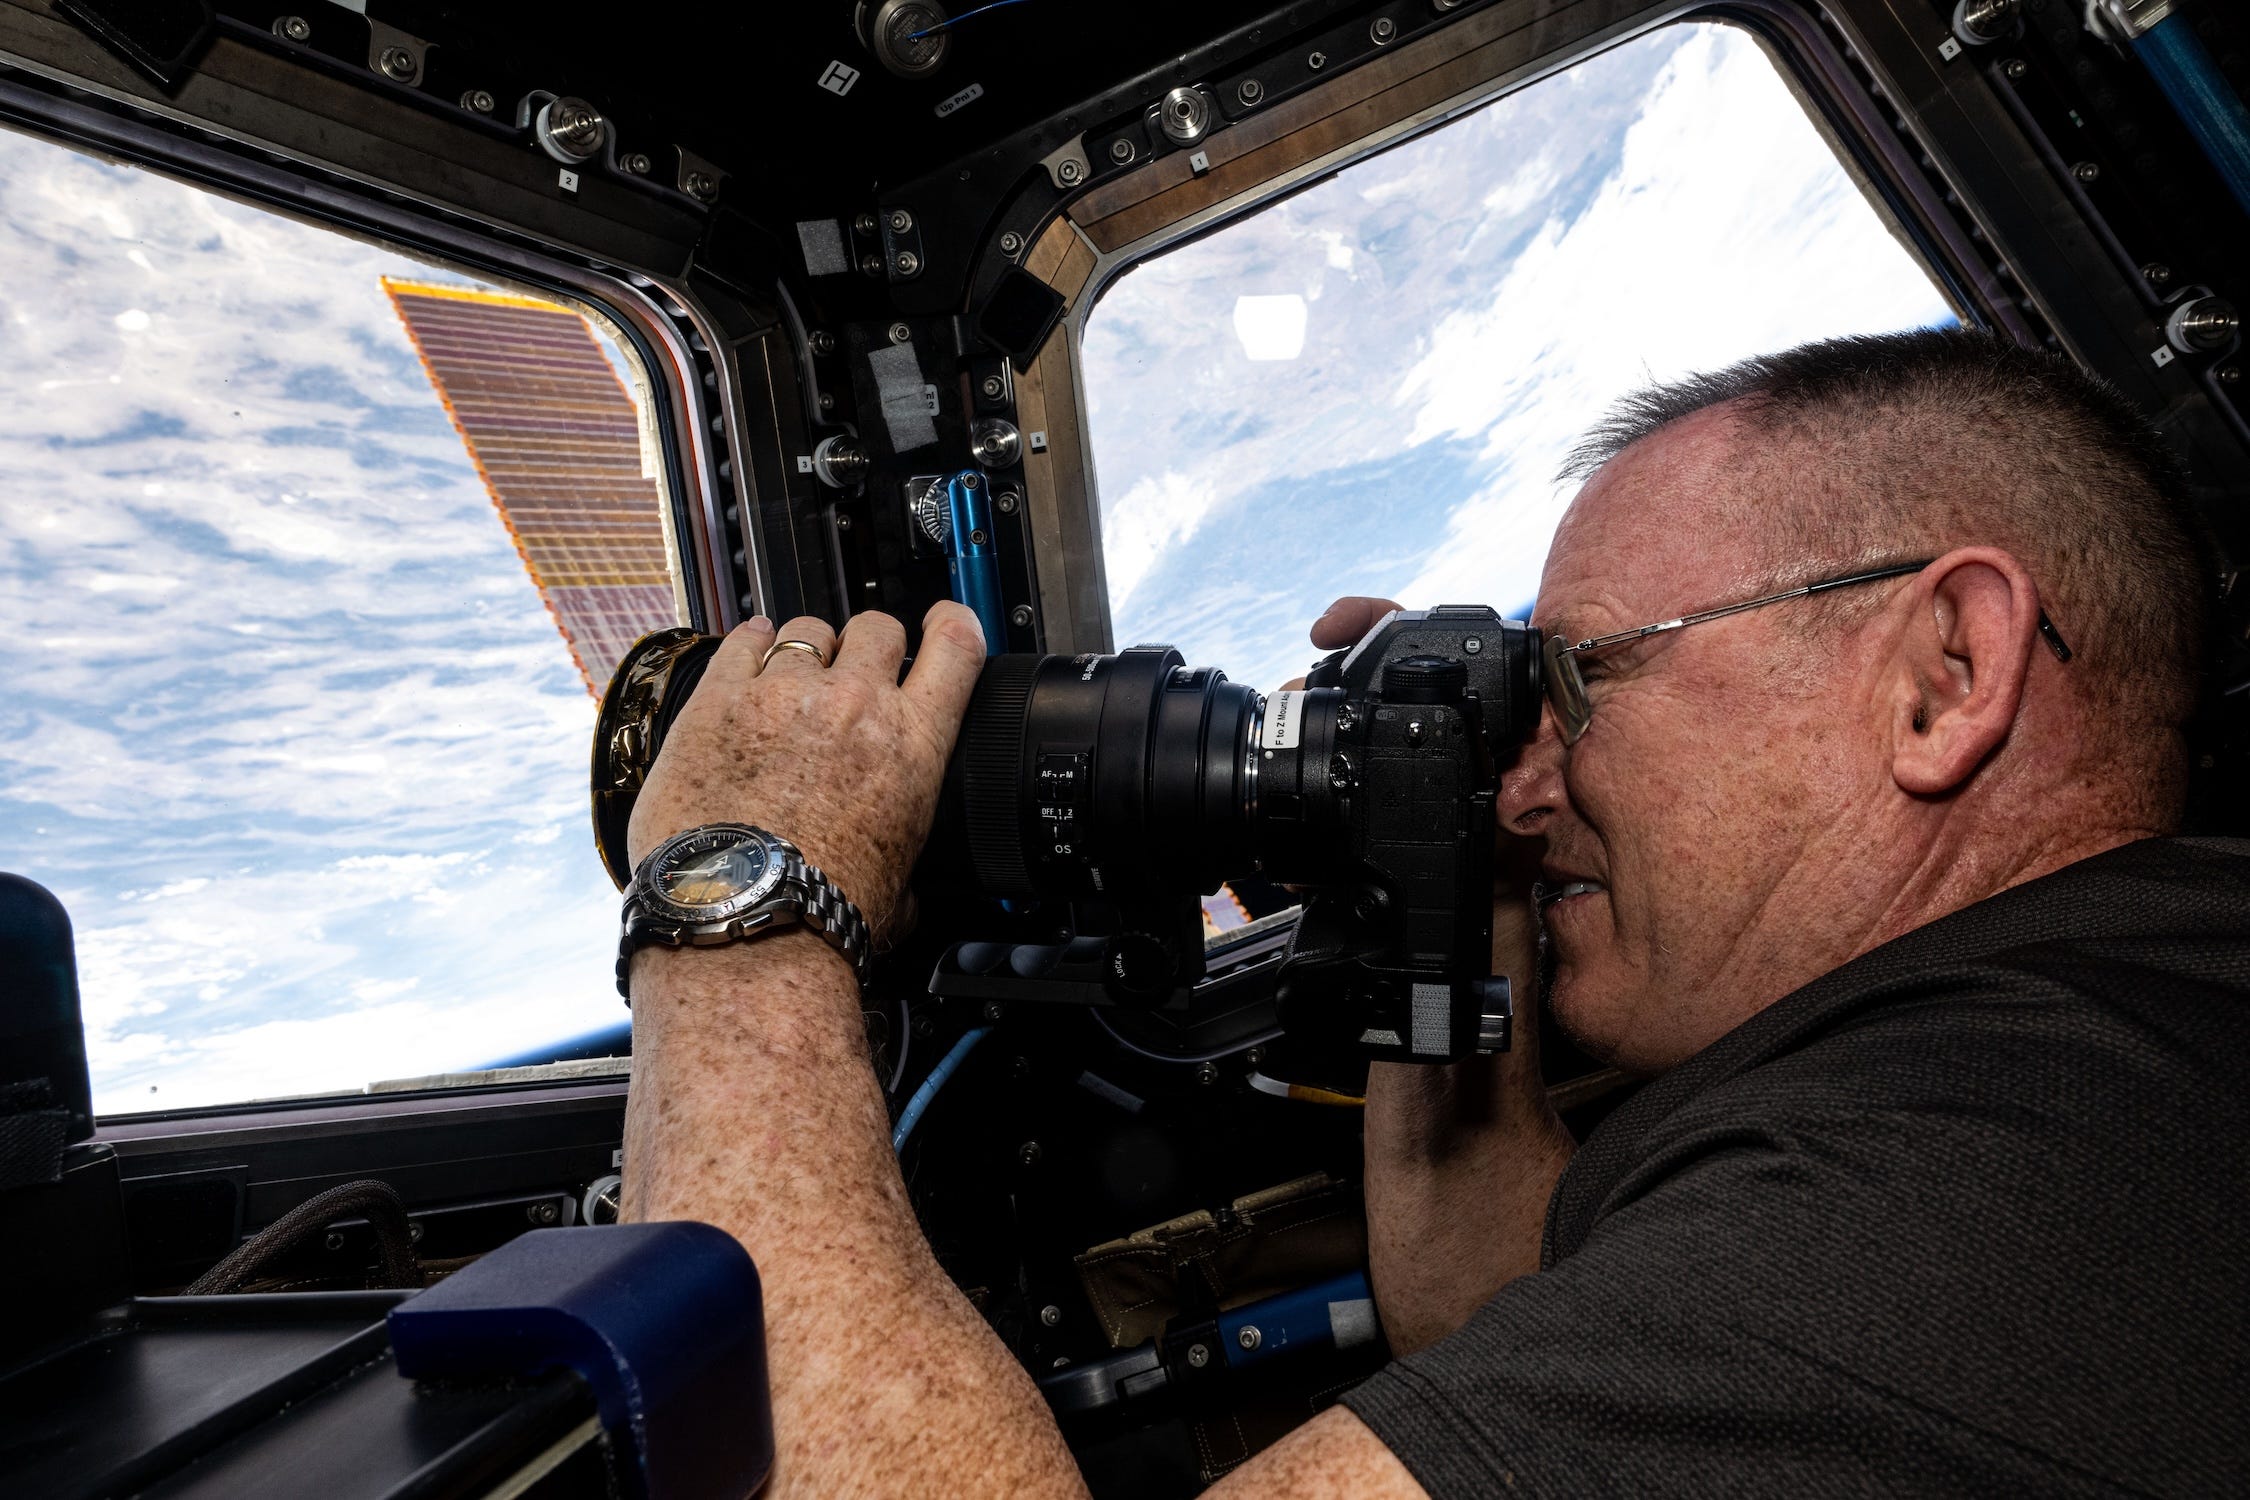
x,y
845,763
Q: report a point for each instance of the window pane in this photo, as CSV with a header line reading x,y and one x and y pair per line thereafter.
x,y
293,727
1367,388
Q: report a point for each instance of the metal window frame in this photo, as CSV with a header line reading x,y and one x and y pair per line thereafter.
x,y
1931,139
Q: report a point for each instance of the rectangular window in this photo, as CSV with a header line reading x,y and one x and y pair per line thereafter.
x,y
1367,387
312,558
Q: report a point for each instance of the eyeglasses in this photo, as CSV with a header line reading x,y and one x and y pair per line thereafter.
x,y
1566,682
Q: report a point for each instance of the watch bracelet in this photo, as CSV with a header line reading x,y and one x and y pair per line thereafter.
x,y
827,911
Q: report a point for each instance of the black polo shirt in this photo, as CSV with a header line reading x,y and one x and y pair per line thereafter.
x,y
1970,1215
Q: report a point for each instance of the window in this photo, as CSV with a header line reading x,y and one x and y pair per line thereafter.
x,y
310,559
1367,387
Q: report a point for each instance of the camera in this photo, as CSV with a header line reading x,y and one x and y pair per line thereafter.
x,y
1092,799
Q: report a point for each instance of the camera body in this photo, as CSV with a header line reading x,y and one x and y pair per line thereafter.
x,y
1094,799
1394,951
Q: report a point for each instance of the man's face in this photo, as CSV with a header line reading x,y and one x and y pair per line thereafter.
x,y
1702,825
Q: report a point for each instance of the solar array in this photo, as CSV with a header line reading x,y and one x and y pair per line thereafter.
x,y
556,438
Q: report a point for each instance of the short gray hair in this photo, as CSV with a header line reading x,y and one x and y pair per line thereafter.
x,y
1897,445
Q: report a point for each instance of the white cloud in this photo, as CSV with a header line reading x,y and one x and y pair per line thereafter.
x,y
286,724
1484,291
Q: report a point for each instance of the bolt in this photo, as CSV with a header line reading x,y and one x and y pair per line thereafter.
x,y
871,264
901,221
1207,1073
843,523
700,185
1317,61
1250,91
994,387
1473,645
823,342
636,162
1198,1356
1006,502
414,1234
335,1240
827,403
992,1011
543,1213
924,1023
479,100
398,65
900,333
908,263
1050,1315
864,224
1248,1336
1029,1153
978,538
293,28
2156,274
1020,617
1254,1056
1383,30
1010,243
2229,374
2015,68
2087,172
1121,151
1070,171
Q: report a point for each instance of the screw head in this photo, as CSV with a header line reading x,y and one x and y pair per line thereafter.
x,y
1207,1073
479,100
2156,273
1006,502
843,523
1383,30
1248,1337
2015,68
827,402
1198,1356
1317,61
398,65
992,1011
864,224
1029,1153
1050,1315
908,263
293,28
994,387
636,162
1071,170
900,333
1121,150
901,221
2229,374
1010,243
335,1240
1255,1056
544,1213
700,185
871,264
1020,617
1249,91
823,342
414,1233
978,538
2087,171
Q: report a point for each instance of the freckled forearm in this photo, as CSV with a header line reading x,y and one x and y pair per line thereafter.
x,y
754,1108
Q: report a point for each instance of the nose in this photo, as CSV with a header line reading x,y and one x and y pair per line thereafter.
x,y
1531,788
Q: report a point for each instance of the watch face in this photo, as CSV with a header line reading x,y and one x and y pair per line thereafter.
x,y
709,874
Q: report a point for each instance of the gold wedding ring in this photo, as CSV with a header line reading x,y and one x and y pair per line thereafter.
x,y
807,647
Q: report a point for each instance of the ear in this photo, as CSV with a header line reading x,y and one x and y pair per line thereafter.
x,y
1961,667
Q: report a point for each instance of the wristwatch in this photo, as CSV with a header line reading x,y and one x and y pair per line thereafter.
x,y
725,882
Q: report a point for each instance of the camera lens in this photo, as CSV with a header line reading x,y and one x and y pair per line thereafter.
x,y
1107,776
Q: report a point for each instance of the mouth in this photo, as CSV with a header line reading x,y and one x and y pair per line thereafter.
x,y
1557,890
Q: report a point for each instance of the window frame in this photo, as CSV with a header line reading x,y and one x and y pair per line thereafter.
x,y
1933,171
